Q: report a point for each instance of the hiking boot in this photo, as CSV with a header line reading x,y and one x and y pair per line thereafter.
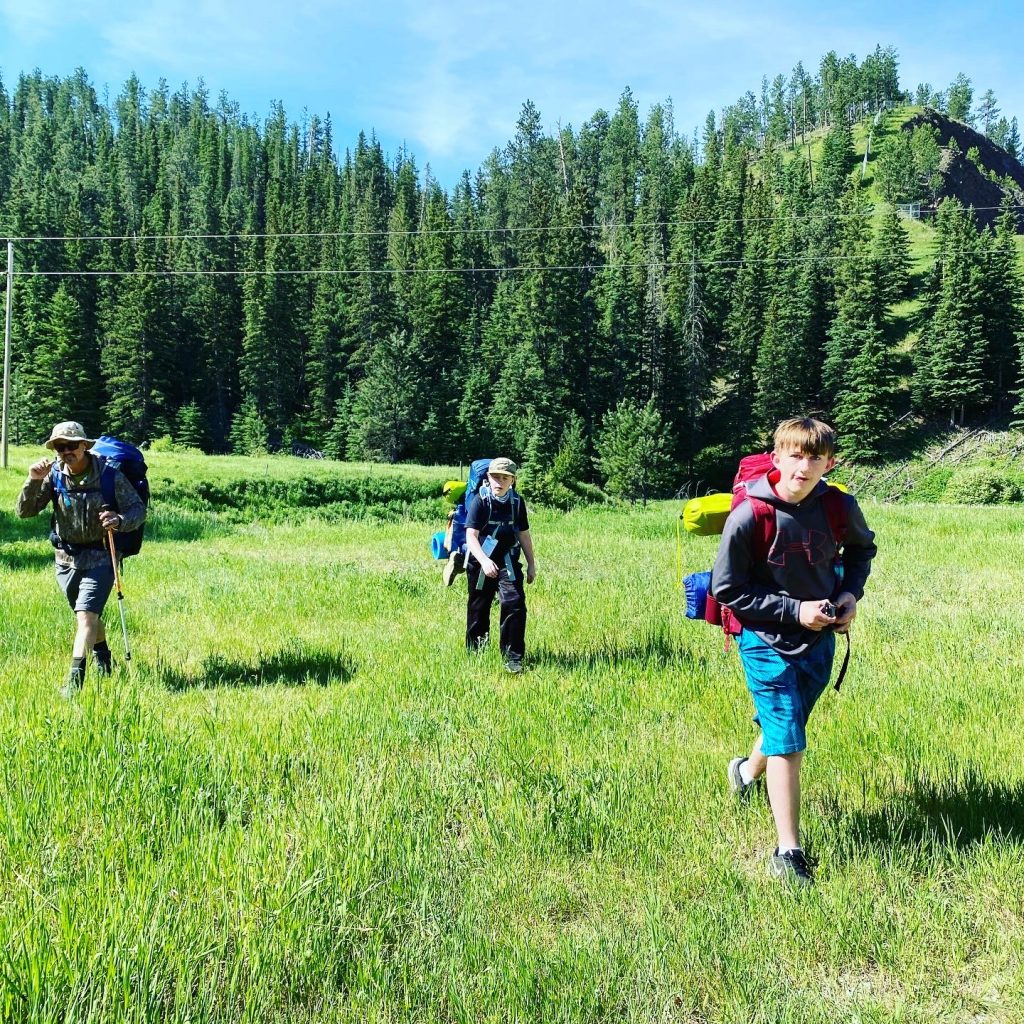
x,y
104,664
514,665
456,563
741,790
793,867
75,681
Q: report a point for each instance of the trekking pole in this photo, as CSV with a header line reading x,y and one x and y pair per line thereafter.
x,y
117,583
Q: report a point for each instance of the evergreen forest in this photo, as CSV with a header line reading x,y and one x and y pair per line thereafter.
x,y
183,271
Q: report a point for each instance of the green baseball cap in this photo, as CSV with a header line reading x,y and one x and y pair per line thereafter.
x,y
506,466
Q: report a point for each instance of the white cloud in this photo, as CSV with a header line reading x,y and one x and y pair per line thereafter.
x,y
212,36
31,21
468,71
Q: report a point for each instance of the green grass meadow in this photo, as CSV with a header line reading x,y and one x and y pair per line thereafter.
x,y
303,802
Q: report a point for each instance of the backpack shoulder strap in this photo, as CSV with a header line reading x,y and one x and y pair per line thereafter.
x,y
60,487
108,479
837,511
764,528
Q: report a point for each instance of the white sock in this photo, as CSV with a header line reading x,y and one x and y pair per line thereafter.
x,y
745,773
790,849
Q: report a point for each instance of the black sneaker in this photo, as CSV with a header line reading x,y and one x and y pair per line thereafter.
x,y
793,866
456,564
514,665
741,790
104,665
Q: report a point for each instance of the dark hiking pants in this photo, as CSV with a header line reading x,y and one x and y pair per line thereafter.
x,y
512,599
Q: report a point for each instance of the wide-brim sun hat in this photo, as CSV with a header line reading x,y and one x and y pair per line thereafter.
x,y
69,430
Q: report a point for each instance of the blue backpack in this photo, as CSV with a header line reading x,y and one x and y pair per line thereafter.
x,y
476,486
475,482
453,541
112,455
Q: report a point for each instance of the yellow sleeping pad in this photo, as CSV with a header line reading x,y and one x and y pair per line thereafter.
x,y
706,516
453,490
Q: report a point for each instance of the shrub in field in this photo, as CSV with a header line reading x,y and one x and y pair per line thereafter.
x,y
715,467
984,485
388,497
932,486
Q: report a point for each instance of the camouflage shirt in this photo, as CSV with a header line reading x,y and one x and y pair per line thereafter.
x,y
77,520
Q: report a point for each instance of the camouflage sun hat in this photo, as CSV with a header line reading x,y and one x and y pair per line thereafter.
x,y
69,431
506,466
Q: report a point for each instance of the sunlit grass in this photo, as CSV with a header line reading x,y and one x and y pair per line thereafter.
x,y
305,803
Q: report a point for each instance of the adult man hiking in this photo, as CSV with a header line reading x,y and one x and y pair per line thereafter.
x,y
85,572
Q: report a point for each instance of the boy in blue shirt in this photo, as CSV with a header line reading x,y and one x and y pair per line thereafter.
x,y
790,604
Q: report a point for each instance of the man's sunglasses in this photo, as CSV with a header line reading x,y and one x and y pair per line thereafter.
x,y
63,449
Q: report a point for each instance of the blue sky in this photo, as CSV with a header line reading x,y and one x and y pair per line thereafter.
x,y
448,79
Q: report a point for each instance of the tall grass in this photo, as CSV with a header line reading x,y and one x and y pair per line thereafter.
x,y
304,802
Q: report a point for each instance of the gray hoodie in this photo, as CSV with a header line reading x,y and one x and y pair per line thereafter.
x,y
766,596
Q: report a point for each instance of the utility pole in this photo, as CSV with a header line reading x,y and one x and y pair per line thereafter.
x,y
7,353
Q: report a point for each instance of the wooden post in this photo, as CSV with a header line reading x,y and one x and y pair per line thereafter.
x,y
7,355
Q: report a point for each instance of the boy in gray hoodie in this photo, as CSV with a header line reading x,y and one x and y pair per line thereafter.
x,y
790,604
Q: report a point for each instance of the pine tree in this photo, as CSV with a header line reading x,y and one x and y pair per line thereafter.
x,y
61,381
864,406
949,361
959,99
335,445
836,161
859,377
858,309
892,258
789,357
1002,315
1012,143
988,111
633,452
924,142
249,434
895,171
190,431
571,465
746,322
383,422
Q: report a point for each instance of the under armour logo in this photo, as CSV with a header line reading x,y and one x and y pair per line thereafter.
x,y
813,546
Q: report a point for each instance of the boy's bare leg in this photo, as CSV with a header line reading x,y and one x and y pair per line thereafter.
x,y
756,761
784,796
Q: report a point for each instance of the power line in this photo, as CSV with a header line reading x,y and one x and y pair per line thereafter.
x,y
414,232
538,268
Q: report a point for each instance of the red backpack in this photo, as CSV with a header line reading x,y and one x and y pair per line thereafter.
x,y
751,468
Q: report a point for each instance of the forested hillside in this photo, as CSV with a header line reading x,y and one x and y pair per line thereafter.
x,y
184,271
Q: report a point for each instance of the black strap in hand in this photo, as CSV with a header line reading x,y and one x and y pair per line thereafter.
x,y
845,665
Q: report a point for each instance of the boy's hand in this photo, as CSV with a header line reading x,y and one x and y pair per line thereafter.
x,y
846,611
490,569
812,615
531,572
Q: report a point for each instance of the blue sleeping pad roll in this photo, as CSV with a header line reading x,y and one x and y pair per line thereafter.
x,y
437,548
696,585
